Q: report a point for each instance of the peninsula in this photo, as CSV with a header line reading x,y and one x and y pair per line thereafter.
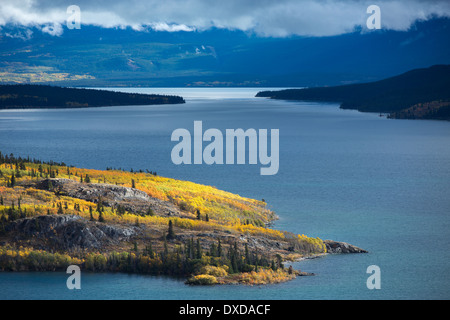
x,y
28,96
417,94
53,215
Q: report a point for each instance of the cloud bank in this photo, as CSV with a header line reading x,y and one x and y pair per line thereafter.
x,y
279,18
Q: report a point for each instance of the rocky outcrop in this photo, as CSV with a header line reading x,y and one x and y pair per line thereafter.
x,y
132,200
342,247
68,232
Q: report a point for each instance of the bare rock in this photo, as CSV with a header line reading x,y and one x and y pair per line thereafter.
x,y
342,247
68,232
132,200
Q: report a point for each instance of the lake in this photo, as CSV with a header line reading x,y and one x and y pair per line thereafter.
x,y
380,184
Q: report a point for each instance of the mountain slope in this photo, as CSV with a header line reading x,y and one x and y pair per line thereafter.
x,y
98,57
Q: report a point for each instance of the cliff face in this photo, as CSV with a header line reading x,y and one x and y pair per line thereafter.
x,y
68,232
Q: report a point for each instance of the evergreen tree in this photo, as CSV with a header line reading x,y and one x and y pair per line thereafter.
x,y
13,181
90,214
170,232
213,250
199,217
191,249
166,250
233,264
273,266
149,251
99,205
247,255
150,212
100,217
279,261
199,249
219,249
60,209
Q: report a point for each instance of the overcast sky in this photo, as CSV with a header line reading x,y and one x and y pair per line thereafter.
x,y
278,18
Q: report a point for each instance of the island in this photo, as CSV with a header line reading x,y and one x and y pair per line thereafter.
x,y
53,215
416,94
27,96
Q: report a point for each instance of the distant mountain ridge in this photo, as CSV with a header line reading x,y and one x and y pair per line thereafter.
x,y
430,86
114,57
42,96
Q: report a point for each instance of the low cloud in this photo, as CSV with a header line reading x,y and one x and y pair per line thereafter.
x,y
280,18
54,29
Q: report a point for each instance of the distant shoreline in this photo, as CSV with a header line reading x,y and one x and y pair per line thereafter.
x,y
49,97
417,94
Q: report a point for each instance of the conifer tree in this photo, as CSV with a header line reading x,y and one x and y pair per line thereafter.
x,y
149,251
150,212
60,209
100,217
166,250
170,232
247,255
13,181
199,249
90,214
219,249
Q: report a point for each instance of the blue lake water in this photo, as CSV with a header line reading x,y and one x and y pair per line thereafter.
x,y
380,184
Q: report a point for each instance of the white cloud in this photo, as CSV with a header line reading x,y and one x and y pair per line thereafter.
x,y
162,26
264,17
54,29
19,34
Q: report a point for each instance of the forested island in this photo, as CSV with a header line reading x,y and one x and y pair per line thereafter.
x,y
417,94
28,96
53,215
